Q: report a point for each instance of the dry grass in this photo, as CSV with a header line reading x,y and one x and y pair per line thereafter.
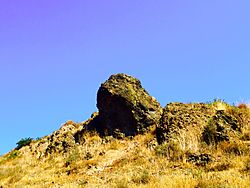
x,y
133,162
129,163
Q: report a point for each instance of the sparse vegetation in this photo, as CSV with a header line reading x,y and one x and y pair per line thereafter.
x,y
137,161
72,157
235,148
13,154
171,150
210,133
142,177
23,142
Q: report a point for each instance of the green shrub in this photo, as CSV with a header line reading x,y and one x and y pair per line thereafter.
x,y
23,142
73,156
209,134
13,154
215,130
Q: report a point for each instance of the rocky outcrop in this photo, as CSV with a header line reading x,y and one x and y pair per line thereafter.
x,y
60,141
184,123
125,107
199,159
191,124
221,127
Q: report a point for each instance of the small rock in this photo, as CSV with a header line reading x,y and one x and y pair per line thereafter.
x,y
200,159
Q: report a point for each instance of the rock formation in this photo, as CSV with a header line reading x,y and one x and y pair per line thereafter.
x,y
211,139
183,123
221,127
191,124
60,141
125,107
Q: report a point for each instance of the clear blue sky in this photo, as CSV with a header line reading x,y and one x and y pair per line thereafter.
x,y
55,54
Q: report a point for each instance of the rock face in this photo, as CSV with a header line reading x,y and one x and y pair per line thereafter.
x,y
191,124
59,141
221,127
184,122
125,107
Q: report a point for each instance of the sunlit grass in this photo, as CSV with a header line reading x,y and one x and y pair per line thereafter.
x,y
135,162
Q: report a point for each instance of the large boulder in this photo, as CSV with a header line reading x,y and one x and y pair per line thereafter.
x,y
125,107
190,125
184,124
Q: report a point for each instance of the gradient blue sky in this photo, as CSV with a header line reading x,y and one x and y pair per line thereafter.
x,y
55,54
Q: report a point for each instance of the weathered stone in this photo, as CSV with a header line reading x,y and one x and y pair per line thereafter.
x,y
200,159
124,106
184,123
220,128
191,124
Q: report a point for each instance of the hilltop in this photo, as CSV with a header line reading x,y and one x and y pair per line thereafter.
x,y
134,142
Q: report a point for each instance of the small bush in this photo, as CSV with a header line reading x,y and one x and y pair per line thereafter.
x,y
13,154
72,157
171,150
23,142
215,132
209,134
142,178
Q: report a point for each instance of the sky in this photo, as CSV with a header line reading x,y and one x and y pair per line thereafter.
x,y
55,54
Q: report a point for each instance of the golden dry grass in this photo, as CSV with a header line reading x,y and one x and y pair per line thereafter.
x,y
134,162
127,163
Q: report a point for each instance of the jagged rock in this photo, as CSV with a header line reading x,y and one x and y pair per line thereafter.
x,y
87,125
191,124
184,123
124,106
221,127
60,141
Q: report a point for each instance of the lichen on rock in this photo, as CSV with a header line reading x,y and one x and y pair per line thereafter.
x,y
184,123
221,127
125,106
191,125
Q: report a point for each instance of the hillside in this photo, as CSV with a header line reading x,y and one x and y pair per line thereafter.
x,y
133,142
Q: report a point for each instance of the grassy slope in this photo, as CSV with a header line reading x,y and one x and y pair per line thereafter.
x,y
135,162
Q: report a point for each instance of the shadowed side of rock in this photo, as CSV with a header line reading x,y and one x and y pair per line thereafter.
x,y
124,106
221,127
